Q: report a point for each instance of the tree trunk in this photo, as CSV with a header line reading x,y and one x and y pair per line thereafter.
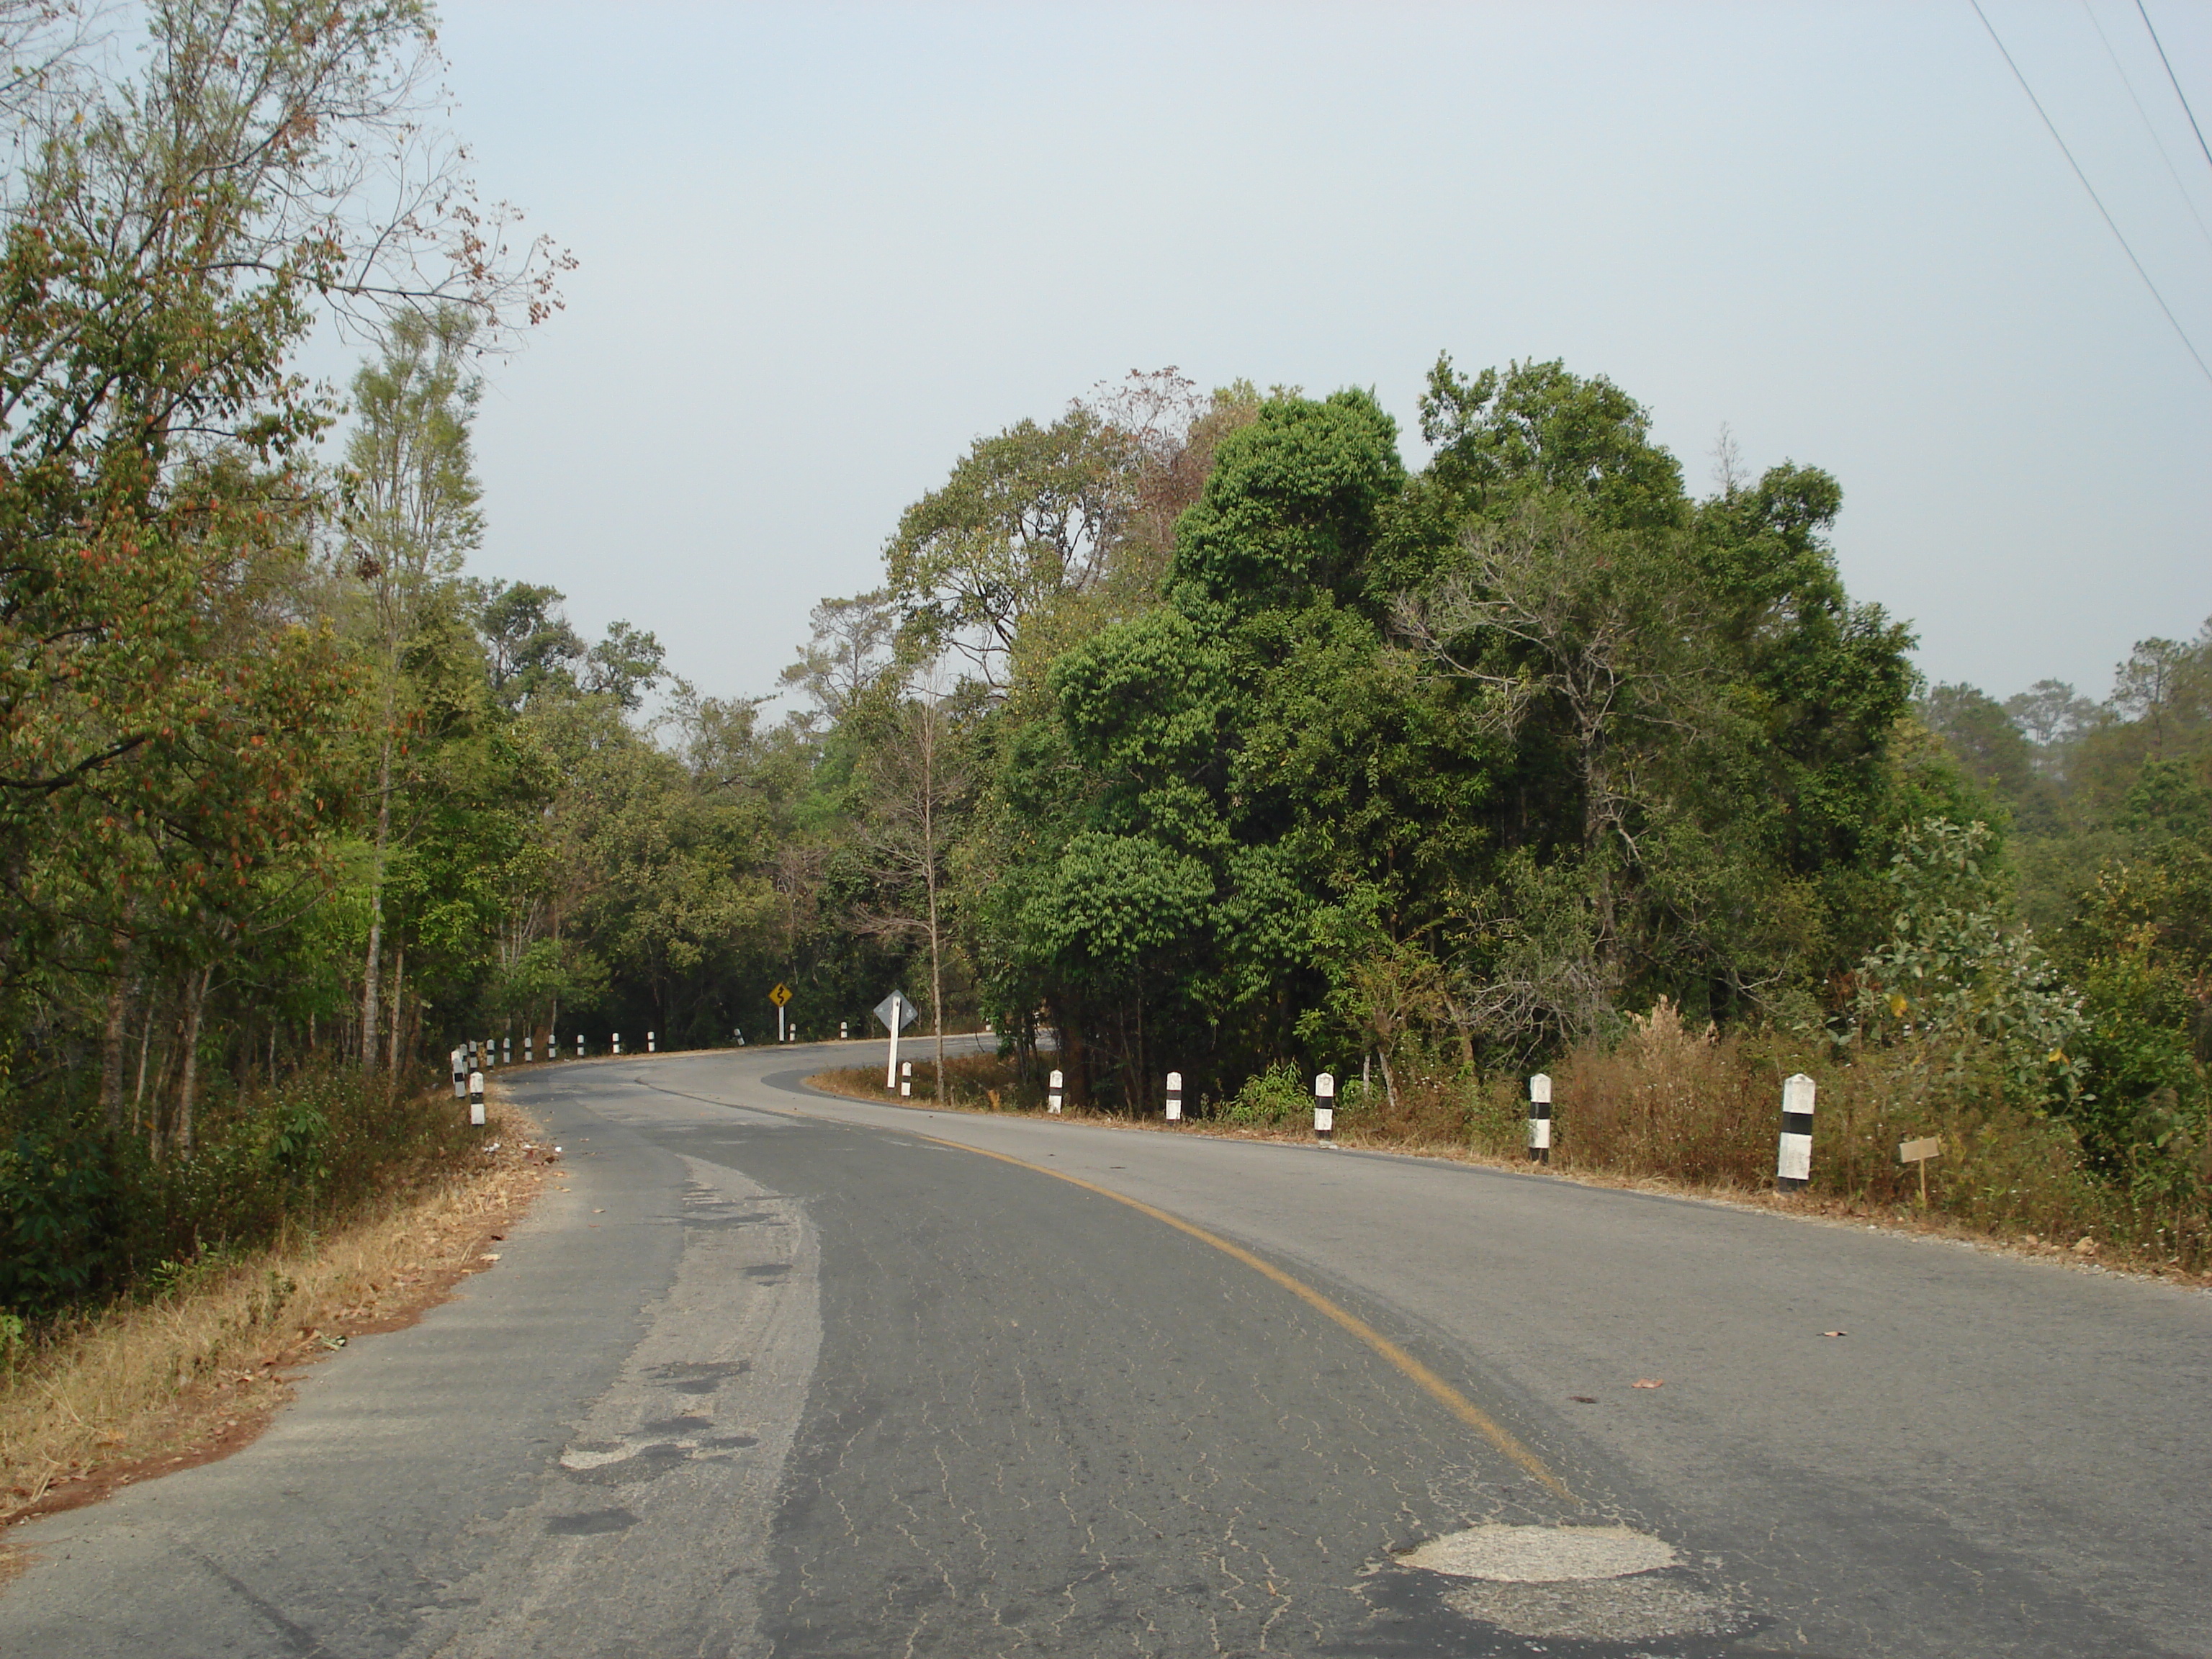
x,y
188,1080
936,985
111,1049
145,1042
368,993
1460,1029
398,1015
1597,812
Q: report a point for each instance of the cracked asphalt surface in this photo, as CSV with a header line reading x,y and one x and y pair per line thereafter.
x,y
779,1374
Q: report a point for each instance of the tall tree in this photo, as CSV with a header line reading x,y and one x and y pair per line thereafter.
x,y
914,780
412,520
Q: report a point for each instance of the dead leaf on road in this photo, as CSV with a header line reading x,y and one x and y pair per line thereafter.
x,y
1648,1382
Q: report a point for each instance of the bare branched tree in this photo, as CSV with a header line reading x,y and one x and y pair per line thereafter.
x,y
917,775
1545,611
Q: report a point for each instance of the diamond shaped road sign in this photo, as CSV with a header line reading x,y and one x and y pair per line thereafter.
x,y
781,995
896,1008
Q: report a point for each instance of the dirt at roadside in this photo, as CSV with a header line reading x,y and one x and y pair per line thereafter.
x,y
142,1392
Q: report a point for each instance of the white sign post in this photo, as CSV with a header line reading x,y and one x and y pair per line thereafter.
x,y
896,1014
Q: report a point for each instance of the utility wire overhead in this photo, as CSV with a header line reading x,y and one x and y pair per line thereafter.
x,y
2148,126
2171,78
2110,224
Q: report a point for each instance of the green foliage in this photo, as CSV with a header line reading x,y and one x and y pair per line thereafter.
x,y
1272,1099
1959,984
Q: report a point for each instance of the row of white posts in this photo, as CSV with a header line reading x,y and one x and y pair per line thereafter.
x,y
471,1057
1793,1165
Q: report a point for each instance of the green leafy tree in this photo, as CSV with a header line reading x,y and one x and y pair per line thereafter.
x,y
1960,983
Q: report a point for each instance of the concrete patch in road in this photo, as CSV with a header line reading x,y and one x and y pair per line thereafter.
x,y
1590,1584
1543,1555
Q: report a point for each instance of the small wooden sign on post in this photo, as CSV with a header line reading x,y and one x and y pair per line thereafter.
x,y
1919,1152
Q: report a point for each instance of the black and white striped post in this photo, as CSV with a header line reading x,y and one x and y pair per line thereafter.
x,y
476,1100
844,1031
460,1076
649,1038
615,1041
1793,1162
528,1046
506,1043
906,1079
580,1045
1052,1099
1539,1118
1175,1097
1324,1106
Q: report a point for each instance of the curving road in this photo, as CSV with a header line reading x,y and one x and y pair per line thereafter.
x,y
779,1374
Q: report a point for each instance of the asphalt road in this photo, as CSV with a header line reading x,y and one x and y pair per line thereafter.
x,y
774,1374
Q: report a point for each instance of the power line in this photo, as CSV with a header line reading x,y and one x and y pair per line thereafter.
x,y
2148,126
2112,225
2175,80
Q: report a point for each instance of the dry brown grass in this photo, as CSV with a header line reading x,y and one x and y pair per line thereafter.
x,y
143,1389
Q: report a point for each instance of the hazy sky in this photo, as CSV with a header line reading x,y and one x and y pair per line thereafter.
x,y
823,247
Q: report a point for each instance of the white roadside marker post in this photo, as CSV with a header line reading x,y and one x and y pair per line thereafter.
x,y
507,1044
1539,1118
1324,1106
1175,1097
476,1100
1793,1162
1051,1100
844,1031
580,1045
616,1040
529,1042
648,1042
460,1076
906,1079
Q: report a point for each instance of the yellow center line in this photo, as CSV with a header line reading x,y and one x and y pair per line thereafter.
x,y
1442,1392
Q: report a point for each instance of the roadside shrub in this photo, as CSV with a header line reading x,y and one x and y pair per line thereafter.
x,y
1275,1097
84,1217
